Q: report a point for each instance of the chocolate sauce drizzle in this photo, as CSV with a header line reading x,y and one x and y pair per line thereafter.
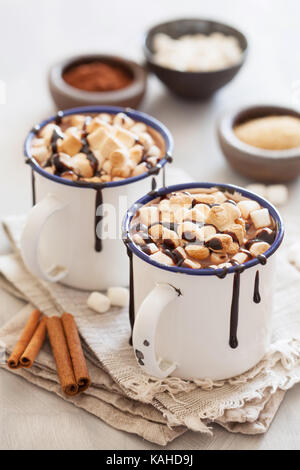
x,y
98,219
256,294
33,188
131,292
234,313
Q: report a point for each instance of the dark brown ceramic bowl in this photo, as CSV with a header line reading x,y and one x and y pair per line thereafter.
x,y
278,166
67,96
193,85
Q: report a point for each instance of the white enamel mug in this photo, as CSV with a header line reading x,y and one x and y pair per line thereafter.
x,y
61,240
193,324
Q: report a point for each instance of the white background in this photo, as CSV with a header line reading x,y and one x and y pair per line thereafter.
x,y
36,33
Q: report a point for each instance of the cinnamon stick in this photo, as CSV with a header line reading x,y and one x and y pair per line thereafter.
x,y
78,361
31,325
61,355
35,344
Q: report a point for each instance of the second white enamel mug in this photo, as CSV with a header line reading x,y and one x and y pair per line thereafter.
x,y
183,319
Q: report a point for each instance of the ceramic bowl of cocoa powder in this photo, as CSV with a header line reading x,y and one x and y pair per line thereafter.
x,y
97,80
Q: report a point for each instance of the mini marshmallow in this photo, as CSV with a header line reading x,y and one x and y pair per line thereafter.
x,y
97,138
222,243
218,258
150,248
41,154
277,194
47,131
246,207
197,251
122,120
188,263
219,197
194,215
81,165
223,215
154,151
71,144
98,302
69,175
156,231
189,231
257,188
77,120
203,209
152,160
181,199
261,218
179,253
118,296
149,215
138,128
105,179
105,117
118,157
236,231
126,138
204,198
146,140
169,237
97,123
140,169
161,258
138,239
110,145
136,154
121,171
206,232
240,257
258,248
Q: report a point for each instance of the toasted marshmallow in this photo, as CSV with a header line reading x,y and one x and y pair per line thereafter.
x,y
97,138
194,215
122,120
149,215
156,231
277,194
38,142
181,199
258,248
146,140
240,257
218,258
105,117
150,248
206,232
98,302
138,128
169,237
97,123
222,243
154,151
126,138
136,154
246,207
118,296
107,166
160,257
105,178
152,160
219,197
71,144
47,131
261,218
188,263
203,209
140,169
81,165
77,120
237,232
189,231
69,175
222,216
41,154
109,146
119,157
138,239
203,198
197,251
121,171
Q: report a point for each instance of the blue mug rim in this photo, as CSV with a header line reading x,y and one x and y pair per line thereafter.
x,y
203,271
134,114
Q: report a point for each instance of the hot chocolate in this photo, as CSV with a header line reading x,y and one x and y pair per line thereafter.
x,y
203,228
97,148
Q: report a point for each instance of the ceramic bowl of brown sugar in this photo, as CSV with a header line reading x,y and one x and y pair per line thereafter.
x,y
97,80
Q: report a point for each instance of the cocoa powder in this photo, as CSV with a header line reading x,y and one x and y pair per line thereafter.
x,y
97,76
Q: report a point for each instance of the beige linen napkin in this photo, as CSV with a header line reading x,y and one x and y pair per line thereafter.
x,y
246,403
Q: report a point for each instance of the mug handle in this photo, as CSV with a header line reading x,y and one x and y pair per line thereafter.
x,y
30,239
144,330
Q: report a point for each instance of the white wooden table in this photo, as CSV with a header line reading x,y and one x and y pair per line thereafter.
x,y
35,33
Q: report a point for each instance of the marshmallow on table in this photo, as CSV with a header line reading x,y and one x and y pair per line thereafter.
x,y
98,302
277,194
118,296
